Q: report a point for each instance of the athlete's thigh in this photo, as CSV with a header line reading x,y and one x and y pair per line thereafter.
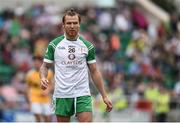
x,y
84,109
62,118
84,117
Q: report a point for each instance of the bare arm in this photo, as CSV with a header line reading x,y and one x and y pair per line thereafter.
x,y
98,81
44,69
43,75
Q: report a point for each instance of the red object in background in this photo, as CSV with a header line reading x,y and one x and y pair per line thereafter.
x,y
145,69
161,30
143,105
24,66
115,42
139,18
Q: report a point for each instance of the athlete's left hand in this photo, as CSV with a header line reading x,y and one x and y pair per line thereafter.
x,y
108,103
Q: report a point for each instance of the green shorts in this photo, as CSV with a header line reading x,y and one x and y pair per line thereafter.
x,y
71,106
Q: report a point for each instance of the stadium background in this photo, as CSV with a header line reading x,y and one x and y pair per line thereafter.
x,y
137,45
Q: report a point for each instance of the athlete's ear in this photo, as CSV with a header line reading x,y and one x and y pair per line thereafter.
x,y
63,26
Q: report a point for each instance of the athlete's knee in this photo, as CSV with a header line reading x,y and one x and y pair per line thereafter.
x,y
85,117
62,118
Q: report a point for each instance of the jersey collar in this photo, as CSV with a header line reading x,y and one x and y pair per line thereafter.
x,y
72,40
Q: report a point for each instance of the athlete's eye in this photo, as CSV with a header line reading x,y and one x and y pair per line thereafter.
x,y
75,23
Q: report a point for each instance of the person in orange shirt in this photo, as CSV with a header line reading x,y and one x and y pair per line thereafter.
x,y
38,99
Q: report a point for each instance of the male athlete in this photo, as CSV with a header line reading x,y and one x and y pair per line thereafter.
x,y
39,100
72,56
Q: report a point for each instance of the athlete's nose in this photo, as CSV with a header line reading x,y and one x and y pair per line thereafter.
x,y
72,25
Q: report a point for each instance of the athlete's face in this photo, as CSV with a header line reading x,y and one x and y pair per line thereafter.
x,y
37,63
71,26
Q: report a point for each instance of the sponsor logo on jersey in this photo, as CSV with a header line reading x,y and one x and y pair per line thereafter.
x,y
61,48
71,46
75,62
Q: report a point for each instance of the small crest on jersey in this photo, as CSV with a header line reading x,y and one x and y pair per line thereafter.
x,y
62,48
71,56
83,49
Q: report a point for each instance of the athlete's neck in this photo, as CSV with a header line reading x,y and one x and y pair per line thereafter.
x,y
72,38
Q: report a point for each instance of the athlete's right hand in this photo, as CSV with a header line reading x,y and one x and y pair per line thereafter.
x,y
44,83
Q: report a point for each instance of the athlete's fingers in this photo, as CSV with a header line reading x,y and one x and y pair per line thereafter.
x,y
43,86
109,106
108,109
44,83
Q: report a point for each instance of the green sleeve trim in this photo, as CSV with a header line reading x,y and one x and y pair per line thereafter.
x,y
49,55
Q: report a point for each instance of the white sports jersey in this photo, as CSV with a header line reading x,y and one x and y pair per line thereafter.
x,y
71,70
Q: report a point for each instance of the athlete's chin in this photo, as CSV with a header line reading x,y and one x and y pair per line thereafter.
x,y
73,35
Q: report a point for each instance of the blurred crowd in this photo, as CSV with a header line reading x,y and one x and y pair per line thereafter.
x,y
132,53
